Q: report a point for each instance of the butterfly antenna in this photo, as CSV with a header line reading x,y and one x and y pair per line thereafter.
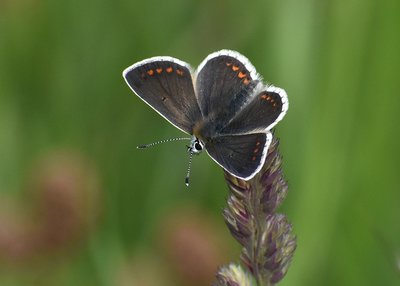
x,y
162,141
188,171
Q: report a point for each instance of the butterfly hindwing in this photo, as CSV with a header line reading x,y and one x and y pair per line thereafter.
x,y
166,85
224,82
262,113
240,155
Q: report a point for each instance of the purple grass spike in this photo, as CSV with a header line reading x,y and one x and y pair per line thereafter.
x,y
266,236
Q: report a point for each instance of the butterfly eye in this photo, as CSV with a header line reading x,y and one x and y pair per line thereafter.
x,y
198,146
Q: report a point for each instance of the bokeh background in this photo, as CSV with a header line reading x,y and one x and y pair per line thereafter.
x,y
79,205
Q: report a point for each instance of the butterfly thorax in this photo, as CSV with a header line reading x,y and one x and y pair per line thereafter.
x,y
205,130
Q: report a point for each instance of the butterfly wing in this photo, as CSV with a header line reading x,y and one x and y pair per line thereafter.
x,y
166,85
262,113
224,82
240,155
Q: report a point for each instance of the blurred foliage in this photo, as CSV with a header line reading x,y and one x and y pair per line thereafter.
x,y
61,88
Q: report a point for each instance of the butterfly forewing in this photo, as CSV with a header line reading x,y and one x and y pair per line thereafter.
x,y
262,113
166,85
224,82
240,155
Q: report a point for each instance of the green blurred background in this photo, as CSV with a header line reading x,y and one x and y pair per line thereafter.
x,y
81,206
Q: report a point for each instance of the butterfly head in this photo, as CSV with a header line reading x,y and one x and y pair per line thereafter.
x,y
196,146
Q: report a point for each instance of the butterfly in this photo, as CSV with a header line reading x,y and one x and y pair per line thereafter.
x,y
224,105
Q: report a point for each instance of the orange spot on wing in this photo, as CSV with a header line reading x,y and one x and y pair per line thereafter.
x,y
267,98
254,158
159,70
255,150
228,64
150,72
246,81
241,75
179,72
169,69
235,68
258,143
